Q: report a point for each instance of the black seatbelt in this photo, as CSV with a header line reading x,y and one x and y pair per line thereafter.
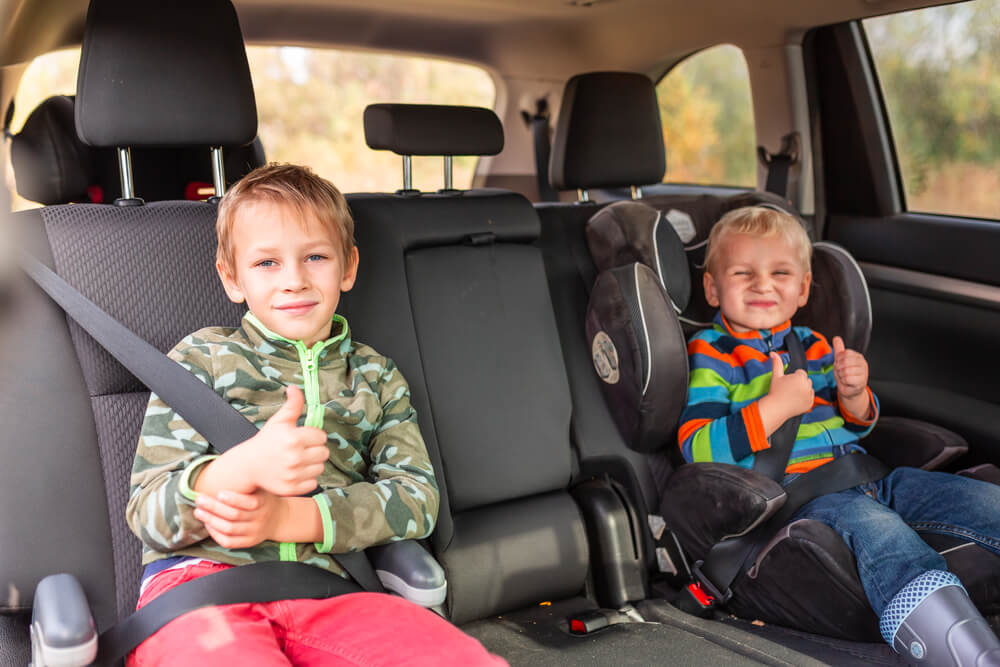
x,y
211,416
728,558
539,124
778,164
259,582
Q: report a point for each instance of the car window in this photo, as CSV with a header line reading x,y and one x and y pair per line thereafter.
x,y
707,116
940,79
310,104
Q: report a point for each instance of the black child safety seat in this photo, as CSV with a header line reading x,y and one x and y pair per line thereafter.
x,y
631,315
53,166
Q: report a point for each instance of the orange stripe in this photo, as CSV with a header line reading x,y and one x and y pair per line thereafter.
x,y
818,350
755,427
848,417
745,353
690,427
806,466
699,346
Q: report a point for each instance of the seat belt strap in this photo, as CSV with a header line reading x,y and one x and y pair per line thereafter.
x,y
779,164
772,461
539,124
258,582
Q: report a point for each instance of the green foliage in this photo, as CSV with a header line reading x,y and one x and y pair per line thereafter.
x,y
939,76
707,116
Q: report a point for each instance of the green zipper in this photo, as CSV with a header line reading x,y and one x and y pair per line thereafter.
x,y
309,359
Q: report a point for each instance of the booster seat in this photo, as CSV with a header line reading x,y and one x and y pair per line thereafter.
x,y
703,503
650,291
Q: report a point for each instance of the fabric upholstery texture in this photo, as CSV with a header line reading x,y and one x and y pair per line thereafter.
x,y
151,267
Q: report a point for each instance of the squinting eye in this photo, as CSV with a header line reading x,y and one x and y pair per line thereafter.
x,y
314,258
265,263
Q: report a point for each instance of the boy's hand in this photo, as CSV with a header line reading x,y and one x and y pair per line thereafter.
x,y
240,520
285,458
850,370
793,394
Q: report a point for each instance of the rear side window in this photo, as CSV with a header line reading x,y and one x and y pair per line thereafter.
x,y
707,116
310,104
940,78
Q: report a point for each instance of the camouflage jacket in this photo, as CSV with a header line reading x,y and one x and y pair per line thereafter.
x,y
378,485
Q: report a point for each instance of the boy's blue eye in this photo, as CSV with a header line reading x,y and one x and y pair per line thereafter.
x,y
265,263
313,258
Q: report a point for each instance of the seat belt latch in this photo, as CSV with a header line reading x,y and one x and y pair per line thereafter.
x,y
587,622
705,585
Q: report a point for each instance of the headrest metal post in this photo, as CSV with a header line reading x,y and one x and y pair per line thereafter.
x,y
125,172
218,171
582,195
636,192
447,173
407,172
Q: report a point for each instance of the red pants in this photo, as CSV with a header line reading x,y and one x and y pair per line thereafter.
x,y
369,629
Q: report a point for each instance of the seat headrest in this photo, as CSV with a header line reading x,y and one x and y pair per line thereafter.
x,y
630,231
433,129
49,161
52,166
164,74
608,133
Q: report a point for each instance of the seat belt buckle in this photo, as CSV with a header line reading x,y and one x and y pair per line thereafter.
x,y
588,622
705,586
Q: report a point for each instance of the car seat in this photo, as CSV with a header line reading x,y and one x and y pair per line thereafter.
x,y
776,588
53,166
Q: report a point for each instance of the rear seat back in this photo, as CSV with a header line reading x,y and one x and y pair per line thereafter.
x,y
53,166
453,287
73,432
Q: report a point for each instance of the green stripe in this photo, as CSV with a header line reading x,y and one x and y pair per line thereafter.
x,y
756,388
286,551
328,530
706,377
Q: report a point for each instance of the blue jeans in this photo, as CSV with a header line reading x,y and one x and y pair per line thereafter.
x,y
880,522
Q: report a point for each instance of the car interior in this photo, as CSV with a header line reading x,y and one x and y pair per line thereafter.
x,y
539,316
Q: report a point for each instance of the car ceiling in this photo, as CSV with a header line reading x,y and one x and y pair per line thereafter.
x,y
529,39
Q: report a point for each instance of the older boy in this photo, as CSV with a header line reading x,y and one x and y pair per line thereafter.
x,y
286,249
758,274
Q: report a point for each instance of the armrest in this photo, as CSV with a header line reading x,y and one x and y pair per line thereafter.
x,y
705,503
405,568
62,628
901,441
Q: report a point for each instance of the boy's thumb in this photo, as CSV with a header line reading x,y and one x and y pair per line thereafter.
x,y
777,366
292,408
838,345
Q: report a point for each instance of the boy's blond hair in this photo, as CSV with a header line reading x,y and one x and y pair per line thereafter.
x,y
291,185
759,221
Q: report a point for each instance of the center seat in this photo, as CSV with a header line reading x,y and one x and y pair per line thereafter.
x,y
452,286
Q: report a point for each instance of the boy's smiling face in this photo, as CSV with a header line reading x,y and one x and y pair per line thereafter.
x,y
289,271
757,282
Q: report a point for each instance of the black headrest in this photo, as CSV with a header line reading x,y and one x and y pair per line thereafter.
x,y
49,160
630,231
433,129
52,166
608,133
164,74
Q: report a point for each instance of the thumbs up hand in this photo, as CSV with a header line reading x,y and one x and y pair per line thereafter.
x,y
287,458
850,370
791,394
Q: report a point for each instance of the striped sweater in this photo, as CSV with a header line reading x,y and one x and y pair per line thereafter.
x,y
731,371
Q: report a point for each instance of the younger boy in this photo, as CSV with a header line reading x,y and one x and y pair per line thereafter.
x,y
758,274
286,249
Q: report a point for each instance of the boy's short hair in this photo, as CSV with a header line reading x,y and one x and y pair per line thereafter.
x,y
759,221
288,184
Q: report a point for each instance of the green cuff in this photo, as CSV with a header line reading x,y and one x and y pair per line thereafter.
x,y
323,503
191,475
